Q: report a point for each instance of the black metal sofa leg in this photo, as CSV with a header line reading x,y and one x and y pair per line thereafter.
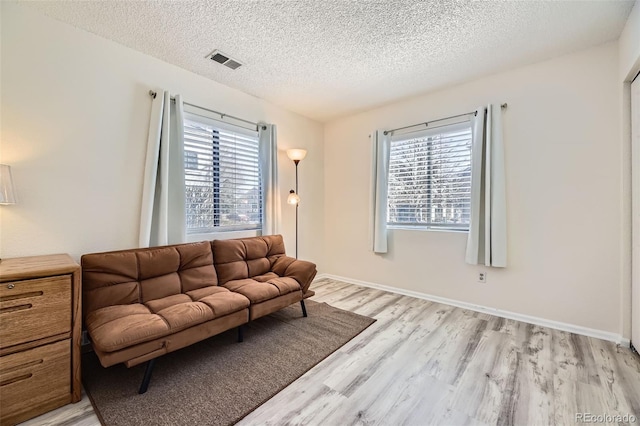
x,y
147,376
304,308
240,334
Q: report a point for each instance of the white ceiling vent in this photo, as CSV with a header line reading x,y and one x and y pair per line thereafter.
x,y
224,59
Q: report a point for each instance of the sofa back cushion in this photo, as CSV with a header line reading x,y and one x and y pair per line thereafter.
x,y
246,257
140,275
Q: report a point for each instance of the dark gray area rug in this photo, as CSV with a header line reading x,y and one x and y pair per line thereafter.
x,y
219,381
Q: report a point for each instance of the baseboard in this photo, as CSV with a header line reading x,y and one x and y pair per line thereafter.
x,y
576,329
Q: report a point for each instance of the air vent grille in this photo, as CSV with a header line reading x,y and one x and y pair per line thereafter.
x,y
232,64
224,59
221,59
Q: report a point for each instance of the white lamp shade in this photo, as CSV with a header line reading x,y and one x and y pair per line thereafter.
x,y
7,191
293,198
296,154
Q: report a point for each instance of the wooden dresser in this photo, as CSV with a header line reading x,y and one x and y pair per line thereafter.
x,y
40,326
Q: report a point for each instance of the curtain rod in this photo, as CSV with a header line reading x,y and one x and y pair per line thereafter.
x,y
426,123
221,114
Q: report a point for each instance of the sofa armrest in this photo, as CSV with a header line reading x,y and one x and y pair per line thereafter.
x,y
302,271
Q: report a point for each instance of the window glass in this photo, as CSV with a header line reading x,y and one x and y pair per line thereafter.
x,y
222,177
430,178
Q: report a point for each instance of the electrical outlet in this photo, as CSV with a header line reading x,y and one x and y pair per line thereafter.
x,y
482,277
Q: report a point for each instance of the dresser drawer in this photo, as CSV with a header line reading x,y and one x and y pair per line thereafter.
x,y
35,379
34,309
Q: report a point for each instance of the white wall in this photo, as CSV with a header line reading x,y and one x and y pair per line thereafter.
x,y
75,116
629,45
564,194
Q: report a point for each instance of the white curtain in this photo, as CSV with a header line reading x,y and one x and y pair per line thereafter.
x,y
269,174
487,240
162,217
381,145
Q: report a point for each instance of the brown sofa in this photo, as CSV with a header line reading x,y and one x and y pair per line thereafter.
x,y
140,304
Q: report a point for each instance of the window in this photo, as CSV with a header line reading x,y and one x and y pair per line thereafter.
x,y
222,176
430,178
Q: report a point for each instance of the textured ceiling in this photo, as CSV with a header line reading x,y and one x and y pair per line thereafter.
x,y
329,58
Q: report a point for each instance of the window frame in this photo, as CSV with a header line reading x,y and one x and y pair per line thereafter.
x,y
225,231
449,127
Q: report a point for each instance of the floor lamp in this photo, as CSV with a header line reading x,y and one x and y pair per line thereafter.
x,y
296,155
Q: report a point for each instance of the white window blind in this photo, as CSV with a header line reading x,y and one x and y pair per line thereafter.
x,y
222,176
430,178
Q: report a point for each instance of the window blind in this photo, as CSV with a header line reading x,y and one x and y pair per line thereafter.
x,y
430,178
222,177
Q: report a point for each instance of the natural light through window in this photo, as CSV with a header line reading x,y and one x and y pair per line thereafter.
x,y
430,178
222,177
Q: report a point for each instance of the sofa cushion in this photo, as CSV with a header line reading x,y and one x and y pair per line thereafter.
x,y
255,291
225,303
157,305
258,292
116,327
185,315
180,311
246,257
275,244
285,285
142,275
221,300
265,277
172,270
196,266
109,279
157,261
198,294
159,287
119,294
230,261
256,250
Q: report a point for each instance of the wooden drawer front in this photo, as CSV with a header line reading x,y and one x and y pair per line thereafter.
x,y
34,378
34,309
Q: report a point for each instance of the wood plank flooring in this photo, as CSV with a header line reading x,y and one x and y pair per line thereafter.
x,y
424,363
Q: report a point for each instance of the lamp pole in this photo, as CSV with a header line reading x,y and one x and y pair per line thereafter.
x,y
297,205
294,198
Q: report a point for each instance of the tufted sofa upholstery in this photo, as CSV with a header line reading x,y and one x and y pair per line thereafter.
x,y
258,269
139,304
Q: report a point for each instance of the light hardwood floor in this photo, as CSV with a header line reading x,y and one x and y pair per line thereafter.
x,y
424,363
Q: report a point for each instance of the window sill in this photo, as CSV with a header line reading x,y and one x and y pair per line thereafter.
x,y
423,228
223,235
